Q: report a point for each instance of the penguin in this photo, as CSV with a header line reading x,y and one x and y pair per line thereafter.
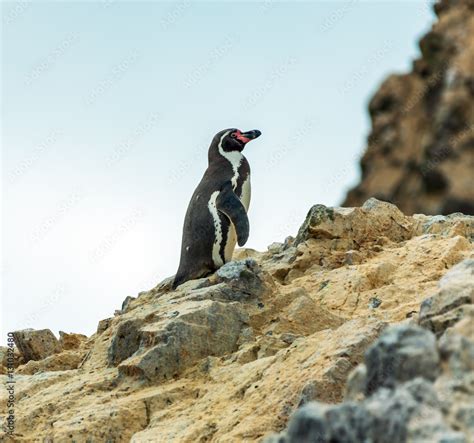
x,y
216,218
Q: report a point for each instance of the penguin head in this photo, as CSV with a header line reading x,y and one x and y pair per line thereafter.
x,y
233,139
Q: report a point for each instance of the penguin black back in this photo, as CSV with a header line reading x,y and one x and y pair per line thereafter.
x,y
216,217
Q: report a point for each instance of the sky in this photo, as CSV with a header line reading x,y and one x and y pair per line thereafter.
x,y
108,109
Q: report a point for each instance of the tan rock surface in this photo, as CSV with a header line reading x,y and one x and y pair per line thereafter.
x,y
233,355
420,153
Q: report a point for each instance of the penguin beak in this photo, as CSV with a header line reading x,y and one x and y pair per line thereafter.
x,y
249,135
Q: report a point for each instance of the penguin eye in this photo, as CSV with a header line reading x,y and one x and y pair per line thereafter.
x,y
233,135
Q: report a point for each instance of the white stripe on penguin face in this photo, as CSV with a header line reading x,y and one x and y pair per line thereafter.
x,y
234,157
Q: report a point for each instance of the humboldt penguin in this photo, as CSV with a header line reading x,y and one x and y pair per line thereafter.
x,y
216,218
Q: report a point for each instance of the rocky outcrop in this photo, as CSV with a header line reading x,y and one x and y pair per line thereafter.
x,y
420,152
453,302
36,344
233,356
412,386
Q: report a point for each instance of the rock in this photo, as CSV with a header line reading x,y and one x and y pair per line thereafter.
x,y
305,316
36,344
407,390
71,341
244,277
408,413
3,355
241,280
458,351
348,228
209,329
125,342
445,225
374,302
401,353
127,303
419,151
454,300
235,355
63,361
275,247
7,359
103,325
356,383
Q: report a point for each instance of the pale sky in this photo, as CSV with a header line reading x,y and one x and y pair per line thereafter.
x,y
108,109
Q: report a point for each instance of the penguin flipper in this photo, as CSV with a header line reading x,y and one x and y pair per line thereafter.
x,y
230,205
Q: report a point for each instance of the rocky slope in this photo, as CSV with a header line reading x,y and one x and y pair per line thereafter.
x,y
420,153
231,357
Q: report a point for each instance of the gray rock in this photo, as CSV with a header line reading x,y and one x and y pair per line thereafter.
x,y
411,388
208,329
317,215
242,276
439,323
400,354
126,303
374,302
104,325
125,342
309,424
219,292
288,337
316,422
275,247
356,383
456,290
458,352
408,413
275,438
308,393
241,280
444,224
36,344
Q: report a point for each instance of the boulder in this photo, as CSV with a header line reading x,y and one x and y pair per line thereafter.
x,y
400,354
453,301
208,328
36,344
348,228
71,341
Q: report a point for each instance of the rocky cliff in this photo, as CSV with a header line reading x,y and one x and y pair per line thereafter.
x,y
420,152
270,340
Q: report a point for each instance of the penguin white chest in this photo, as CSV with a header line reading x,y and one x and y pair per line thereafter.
x,y
246,193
